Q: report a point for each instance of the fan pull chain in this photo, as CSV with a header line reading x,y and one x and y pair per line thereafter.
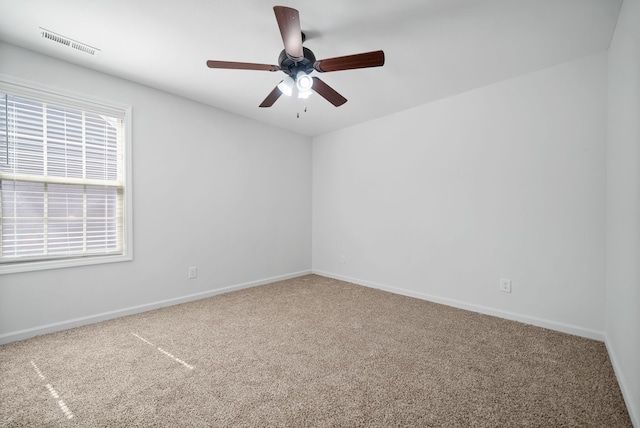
x,y
298,113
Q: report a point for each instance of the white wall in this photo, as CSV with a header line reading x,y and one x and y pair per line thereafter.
x,y
211,189
443,200
623,205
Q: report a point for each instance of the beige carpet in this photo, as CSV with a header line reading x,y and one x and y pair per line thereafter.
x,y
311,351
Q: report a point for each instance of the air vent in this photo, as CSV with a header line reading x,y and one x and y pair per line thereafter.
x,y
84,48
63,40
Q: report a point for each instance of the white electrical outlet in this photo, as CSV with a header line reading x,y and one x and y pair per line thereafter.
x,y
505,285
193,272
343,259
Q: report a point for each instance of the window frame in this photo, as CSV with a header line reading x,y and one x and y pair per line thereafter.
x,y
39,92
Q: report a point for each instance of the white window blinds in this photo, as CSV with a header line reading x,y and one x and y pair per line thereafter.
x,y
61,179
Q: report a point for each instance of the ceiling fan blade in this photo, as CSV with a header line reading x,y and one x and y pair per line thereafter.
x,y
289,23
350,62
328,93
271,98
242,65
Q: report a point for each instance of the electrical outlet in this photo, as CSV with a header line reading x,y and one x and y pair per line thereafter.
x,y
193,272
505,285
343,259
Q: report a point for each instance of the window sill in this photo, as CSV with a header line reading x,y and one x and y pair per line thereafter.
x,y
18,267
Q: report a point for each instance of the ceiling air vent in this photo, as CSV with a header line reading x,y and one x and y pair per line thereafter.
x,y
63,40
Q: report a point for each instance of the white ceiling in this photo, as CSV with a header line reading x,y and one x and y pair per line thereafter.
x,y
433,48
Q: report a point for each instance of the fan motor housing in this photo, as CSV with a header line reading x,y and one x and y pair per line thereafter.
x,y
291,67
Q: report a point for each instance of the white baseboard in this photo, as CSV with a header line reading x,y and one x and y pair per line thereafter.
x,y
551,325
633,405
92,319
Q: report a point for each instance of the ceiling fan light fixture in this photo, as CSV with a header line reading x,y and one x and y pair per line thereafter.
x,y
286,86
304,94
304,82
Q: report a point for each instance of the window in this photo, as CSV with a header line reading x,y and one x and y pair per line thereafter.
x,y
64,164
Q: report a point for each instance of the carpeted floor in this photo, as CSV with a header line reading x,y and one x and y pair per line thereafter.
x,y
310,351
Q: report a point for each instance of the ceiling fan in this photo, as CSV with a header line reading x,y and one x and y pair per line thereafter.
x,y
297,62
